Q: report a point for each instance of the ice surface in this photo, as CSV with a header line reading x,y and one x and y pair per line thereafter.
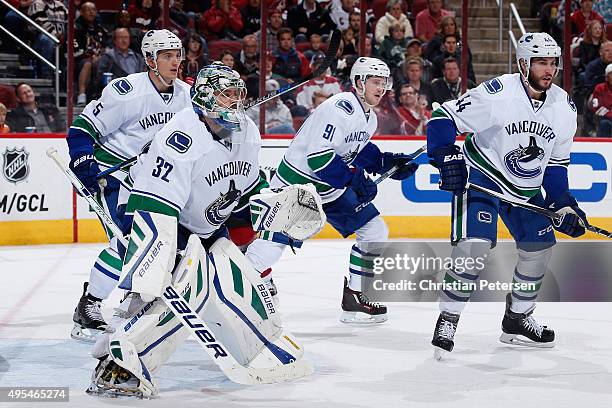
x,y
389,365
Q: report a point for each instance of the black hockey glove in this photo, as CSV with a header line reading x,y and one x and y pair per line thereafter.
x,y
405,170
364,187
86,169
453,171
573,219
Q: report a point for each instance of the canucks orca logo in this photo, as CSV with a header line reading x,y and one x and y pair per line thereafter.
x,y
527,154
350,156
220,209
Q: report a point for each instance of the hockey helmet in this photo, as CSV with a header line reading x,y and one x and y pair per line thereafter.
x,y
532,45
218,93
366,67
155,41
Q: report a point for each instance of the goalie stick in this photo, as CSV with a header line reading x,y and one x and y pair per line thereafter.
x,y
330,55
199,329
535,208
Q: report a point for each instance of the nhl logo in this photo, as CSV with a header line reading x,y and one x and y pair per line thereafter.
x,y
16,166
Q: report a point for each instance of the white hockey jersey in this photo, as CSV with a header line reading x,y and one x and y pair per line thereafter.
x,y
339,126
128,114
511,138
189,174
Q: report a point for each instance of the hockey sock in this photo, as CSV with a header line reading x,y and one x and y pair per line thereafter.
x,y
461,277
104,275
361,263
527,279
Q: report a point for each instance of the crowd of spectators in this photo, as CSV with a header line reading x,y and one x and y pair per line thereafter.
x,y
591,51
418,39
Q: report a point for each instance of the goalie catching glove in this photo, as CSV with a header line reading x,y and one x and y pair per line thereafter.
x,y
296,211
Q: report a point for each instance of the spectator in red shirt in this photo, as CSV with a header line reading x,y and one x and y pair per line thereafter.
x,y
413,109
289,62
601,104
222,21
584,15
428,20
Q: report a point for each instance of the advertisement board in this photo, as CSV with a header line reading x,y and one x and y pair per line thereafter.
x,y
36,200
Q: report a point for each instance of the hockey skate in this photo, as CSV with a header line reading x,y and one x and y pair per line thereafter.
x,y
111,380
523,330
88,320
357,308
444,334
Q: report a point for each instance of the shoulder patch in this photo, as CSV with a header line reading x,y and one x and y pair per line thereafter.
x,y
493,86
179,141
345,106
122,86
571,103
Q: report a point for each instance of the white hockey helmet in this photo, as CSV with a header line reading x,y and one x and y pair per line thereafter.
x,y
366,67
155,41
214,81
532,45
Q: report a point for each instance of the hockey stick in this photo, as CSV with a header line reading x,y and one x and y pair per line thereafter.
x,y
199,330
535,208
332,49
391,172
330,55
116,167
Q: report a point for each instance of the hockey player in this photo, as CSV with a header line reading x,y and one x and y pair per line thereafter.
x,y
200,168
335,137
110,130
520,130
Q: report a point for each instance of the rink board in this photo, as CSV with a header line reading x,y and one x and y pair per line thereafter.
x,y
37,205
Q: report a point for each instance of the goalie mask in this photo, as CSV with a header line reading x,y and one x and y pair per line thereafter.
x,y
218,93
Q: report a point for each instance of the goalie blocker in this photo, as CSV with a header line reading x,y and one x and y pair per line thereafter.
x,y
237,323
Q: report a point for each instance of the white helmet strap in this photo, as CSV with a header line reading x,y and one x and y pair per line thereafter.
x,y
156,71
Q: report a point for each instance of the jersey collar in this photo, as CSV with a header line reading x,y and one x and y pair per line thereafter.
x,y
540,105
167,101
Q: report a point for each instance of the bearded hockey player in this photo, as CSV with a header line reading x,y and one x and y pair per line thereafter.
x,y
201,168
333,151
520,131
110,130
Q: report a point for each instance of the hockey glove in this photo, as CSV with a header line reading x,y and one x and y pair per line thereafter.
x,y
453,171
405,168
572,220
364,188
86,169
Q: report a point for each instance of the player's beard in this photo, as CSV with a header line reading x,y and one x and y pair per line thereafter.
x,y
536,86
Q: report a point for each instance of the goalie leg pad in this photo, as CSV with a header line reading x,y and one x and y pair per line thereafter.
x,y
249,323
263,254
151,328
150,255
